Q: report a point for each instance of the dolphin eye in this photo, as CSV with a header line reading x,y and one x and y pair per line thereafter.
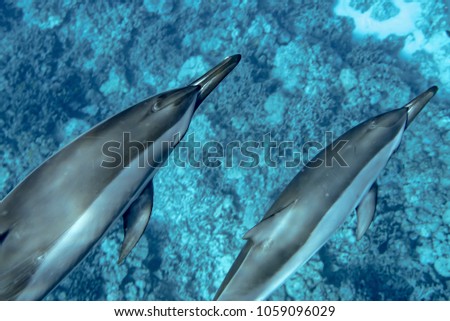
x,y
157,105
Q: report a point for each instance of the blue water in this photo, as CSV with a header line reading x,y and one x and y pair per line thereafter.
x,y
308,67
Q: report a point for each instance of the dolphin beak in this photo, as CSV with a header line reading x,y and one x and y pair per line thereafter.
x,y
416,105
212,78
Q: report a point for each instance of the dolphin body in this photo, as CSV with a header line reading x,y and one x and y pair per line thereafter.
x,y
315,204
51,220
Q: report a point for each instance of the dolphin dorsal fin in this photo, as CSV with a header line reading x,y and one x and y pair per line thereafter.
x,y
261,231
258,232
135,221
366,210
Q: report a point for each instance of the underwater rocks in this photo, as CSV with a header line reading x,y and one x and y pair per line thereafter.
x,y
302,73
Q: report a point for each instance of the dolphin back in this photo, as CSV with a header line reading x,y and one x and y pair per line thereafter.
x,y
44,206
50,221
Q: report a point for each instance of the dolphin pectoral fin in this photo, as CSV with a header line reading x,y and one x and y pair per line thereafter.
x,y
261,231
3,236
135,221
366,210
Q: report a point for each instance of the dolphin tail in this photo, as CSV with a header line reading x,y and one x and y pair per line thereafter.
x,y
220,295
212,78
416,105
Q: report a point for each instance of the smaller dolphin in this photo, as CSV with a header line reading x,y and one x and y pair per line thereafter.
x,y
50,221
316,202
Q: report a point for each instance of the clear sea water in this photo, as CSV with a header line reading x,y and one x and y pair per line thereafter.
x,y
308,67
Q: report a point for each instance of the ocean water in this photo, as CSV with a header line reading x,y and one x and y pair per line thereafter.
x,y
308,67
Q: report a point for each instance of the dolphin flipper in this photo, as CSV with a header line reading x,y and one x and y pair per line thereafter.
x,y
135,220
3,236
366,210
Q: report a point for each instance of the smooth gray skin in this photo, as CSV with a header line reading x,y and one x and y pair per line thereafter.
x,y
51,220
315,204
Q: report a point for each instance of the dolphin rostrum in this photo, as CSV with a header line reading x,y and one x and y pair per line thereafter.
x,y
50,221
316,202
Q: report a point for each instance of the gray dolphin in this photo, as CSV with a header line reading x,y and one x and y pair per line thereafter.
x,y
316,202
50,221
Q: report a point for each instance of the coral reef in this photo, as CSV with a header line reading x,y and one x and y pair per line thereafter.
x,y
307,67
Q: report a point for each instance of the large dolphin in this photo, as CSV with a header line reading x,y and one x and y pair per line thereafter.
x,y
50,221
316,202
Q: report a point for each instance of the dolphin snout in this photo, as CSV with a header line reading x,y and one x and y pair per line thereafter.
x,y
416,105
212,78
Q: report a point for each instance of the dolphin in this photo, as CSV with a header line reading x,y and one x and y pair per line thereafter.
x,y
50,221
316,203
